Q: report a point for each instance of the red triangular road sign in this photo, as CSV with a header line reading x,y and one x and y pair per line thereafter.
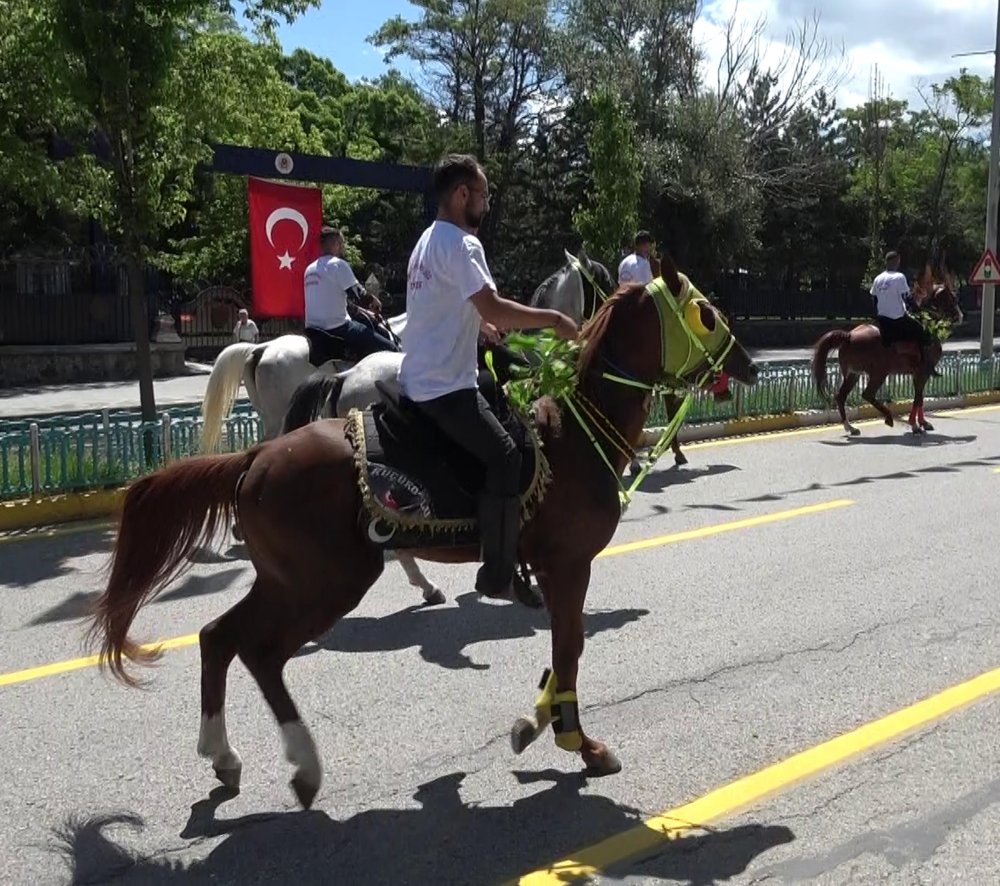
x,y
987,271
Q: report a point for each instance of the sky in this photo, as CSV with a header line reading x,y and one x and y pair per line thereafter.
x,y
911,48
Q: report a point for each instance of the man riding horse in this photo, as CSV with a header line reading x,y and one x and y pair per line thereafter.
x,y
330,285
449,294
890,291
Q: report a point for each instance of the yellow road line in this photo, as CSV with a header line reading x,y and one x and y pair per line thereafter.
x,y
737,795
75,664
719,528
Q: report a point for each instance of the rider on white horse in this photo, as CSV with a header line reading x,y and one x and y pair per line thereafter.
x,y
329,283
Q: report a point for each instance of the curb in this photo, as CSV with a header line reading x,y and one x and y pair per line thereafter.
x,y
102,503
29,513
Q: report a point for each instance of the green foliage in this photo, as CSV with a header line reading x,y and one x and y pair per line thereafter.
x,y
552,371
611,216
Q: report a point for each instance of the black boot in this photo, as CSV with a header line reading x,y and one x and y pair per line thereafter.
x,y
499,526
928,358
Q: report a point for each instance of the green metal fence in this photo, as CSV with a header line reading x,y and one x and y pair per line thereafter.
x,y
40,456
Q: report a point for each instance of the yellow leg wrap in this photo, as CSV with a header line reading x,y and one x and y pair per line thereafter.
x,y
566,721
543,704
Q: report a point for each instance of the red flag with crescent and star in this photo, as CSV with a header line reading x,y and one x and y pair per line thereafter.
x,y
285,222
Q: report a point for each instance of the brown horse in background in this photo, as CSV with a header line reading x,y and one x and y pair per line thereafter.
x,y
861,351
301,511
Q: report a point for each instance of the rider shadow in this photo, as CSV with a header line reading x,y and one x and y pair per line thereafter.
x,y
442,633
444,840
901,439
19,568
81,604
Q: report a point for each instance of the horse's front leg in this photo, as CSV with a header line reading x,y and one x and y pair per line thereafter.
x,y
565,592
919,383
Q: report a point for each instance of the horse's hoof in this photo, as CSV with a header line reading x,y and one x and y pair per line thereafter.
x,y
230,778
304,790
680,459
918,431
434,597
889,421
927,426
855,432
634,469
604,763
522,734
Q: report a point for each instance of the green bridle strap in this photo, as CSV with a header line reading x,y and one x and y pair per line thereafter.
x,y
665,301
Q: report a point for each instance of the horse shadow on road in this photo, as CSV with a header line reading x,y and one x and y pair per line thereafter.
x,y
442,633
443,840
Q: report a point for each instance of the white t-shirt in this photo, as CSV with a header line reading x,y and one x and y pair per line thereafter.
x,y
634,268
446,268
889,288
327,281
247,332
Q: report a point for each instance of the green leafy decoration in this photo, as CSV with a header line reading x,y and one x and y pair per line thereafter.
x,y
553,369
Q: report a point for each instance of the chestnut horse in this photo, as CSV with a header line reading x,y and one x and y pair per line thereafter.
x,y
300,506
861,351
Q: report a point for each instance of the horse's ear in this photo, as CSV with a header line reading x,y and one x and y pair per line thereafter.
x,y
668,271
583,258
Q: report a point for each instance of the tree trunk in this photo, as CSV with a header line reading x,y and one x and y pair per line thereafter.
x,y
143,354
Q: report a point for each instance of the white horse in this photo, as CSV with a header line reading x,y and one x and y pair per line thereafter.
x,y
270,372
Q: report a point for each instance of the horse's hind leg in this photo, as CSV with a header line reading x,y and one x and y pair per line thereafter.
x,y
849,384
871,389
274,635
218,641
433,595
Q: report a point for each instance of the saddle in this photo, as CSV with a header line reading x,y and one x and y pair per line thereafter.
x,y
418,488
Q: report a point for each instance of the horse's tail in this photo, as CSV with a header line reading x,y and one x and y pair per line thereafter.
x,y
310,399
165,516
827,343
223,387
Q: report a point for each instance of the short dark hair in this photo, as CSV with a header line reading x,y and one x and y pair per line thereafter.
x,y
891,256
643,237
327,232
454,170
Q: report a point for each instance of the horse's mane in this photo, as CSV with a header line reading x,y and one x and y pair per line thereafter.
x,y
596,329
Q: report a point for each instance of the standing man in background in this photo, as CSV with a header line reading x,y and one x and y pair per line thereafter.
x,y
246,330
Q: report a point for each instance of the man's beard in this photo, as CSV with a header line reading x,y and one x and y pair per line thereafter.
x,y
473,219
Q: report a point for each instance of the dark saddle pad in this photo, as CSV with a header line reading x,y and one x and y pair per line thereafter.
x,y
324,346
419,488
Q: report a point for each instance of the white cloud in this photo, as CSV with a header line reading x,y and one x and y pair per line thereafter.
x,y
912,43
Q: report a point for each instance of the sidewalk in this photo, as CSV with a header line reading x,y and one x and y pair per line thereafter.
x,y
190,389
95,396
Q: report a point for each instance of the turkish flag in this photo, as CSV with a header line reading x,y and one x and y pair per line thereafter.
x,y
285,222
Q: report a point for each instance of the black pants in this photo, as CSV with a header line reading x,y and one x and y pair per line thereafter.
x,y
466,418
905,328
354,338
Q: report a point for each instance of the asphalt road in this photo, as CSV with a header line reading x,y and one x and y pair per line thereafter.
x,y
799,587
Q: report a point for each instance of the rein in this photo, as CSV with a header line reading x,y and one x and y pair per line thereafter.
x,y
583,409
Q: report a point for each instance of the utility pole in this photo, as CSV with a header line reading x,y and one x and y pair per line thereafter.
x,y
992,205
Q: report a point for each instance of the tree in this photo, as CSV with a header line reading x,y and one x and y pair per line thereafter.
x,y
121,67
612,211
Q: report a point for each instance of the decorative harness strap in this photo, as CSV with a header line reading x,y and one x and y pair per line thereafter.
x,y
580,406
